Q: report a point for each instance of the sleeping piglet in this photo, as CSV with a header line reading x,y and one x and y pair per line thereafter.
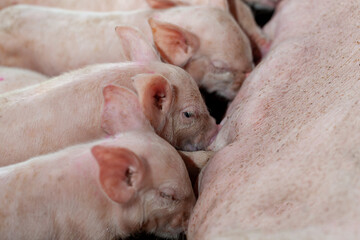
x,y
240,11
87,104
15,78
217,57
111,188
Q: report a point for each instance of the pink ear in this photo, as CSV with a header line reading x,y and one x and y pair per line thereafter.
x,y
161,4
121,172
122,111
175,45
155,96
135,46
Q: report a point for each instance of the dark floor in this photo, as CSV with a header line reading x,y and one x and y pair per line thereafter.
x,y
217,107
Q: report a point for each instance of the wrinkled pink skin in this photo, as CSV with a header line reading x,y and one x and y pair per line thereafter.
x,y
34,121
26,41
289,156
16,78
62,198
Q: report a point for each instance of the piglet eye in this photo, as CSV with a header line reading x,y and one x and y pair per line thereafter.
x,y
167,196
188,114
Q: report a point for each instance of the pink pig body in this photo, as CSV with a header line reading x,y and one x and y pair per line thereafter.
x,y
28,41
70,109
239,10
68,195
86,5
289,158
16,78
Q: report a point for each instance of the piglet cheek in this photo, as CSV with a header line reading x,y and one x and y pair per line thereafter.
x,y
2,79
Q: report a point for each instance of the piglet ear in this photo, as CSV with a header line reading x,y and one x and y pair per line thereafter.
x,y
161,4
221,4
135,46
155,96
175,45
122,111
121,172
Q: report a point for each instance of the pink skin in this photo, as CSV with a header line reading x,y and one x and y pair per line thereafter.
x,y
18,78
199,50
85,5
92,107
126,43
264,3
287,165
240,11
87,194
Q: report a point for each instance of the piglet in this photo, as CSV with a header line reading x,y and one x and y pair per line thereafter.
x,y
15,78
109,5
178,34
88,5
102,190
50,52
88,104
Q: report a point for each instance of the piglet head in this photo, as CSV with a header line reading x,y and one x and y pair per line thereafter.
x,y
217,57
148,184
176,110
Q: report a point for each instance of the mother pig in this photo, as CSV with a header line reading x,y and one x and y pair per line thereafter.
x,y
289,162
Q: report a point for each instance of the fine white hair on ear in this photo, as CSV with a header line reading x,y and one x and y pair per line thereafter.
x,y
121,172
175,44
155,96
